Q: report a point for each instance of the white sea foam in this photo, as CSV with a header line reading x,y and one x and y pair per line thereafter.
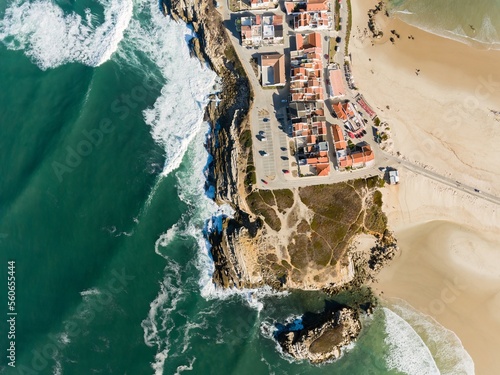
x,y
165,239
408,352
159,323
177,115
406,11
445,346
52,38
90,292
185,368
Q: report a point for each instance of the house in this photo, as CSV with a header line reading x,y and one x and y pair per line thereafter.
x,y
393,177
336,84
272,69
338,138
261,29
251,31
364,157
312,14
309,132
256,4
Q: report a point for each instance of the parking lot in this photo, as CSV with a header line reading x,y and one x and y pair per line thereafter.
x,y
265,144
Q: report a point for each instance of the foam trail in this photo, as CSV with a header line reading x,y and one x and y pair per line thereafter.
x,y
159,322
185,368
408,353
445,346
51,38
177,115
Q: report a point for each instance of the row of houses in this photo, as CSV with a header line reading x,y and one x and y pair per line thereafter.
x,y
359,156
309,127
309,131
306,68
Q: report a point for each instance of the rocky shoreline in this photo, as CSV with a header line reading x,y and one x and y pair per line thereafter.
x,y
320,337
242,236
227,114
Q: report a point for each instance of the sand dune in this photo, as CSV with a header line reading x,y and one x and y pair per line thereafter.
x,y
442,118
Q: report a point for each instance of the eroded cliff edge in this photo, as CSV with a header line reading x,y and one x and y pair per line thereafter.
x,y
301,238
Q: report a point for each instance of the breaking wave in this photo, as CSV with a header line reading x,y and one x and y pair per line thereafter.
x,y
407,351
50,37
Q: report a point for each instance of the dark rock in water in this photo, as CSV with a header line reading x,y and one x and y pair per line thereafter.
x,y
320,337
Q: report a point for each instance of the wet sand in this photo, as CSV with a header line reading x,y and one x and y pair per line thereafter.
x,y
449,267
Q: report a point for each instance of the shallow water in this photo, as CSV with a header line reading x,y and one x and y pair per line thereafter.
x,y
472,22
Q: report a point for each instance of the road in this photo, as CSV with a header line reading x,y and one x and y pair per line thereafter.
x,y
268,104
395,161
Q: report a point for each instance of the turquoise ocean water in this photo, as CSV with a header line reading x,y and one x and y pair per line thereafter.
x,y
102,208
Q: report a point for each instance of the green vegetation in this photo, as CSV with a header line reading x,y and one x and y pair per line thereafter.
x,y
324,242
258,205
372,182
375,219
377,198
250,177
321,240
349,25
284,199
337,15
377,121
246,138
234,5
231,56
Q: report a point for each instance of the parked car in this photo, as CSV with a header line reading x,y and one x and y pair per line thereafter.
x,y
264,181
265,119
263,153
286,171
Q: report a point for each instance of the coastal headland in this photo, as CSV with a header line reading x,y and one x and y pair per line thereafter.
x,y
325,229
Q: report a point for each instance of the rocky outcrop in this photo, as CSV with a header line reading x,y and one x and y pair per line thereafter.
x,y
320,337
372,25
227,114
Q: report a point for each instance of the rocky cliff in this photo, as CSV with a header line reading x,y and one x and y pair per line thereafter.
x,y
227,114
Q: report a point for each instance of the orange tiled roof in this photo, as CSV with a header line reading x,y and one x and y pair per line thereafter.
x,y
323,169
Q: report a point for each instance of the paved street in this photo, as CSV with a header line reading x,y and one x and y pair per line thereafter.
x,y
271,153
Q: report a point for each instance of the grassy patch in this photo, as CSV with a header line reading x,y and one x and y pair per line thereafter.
x,y
375,220
246,138
337,15
231,56
284,199
349,25
260,207
377,198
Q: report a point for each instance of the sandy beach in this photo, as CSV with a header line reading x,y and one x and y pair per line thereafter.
x,y
437,95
